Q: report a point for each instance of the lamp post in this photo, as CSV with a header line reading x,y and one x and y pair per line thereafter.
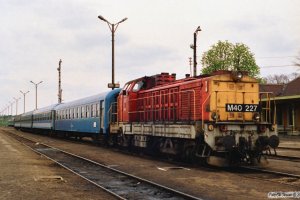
x,y
17,100
59,82
11,107
36,85
194,47
113,28
24,94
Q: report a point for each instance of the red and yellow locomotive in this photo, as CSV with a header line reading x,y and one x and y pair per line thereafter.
x,y
216,115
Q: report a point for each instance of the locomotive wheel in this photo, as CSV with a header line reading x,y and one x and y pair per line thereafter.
x,y
188,154
153,148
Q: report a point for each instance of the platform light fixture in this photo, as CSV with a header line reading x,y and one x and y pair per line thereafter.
x,y
24,94
113,28
36,85
17,100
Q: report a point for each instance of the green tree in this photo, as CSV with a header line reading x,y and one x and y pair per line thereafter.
x,y
228,56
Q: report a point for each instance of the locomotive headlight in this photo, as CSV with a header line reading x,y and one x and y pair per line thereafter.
x,y
256,117
214,115
272,128
237,76
210,127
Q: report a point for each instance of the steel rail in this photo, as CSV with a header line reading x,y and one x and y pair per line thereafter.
x,y
289,148
286,158
272,172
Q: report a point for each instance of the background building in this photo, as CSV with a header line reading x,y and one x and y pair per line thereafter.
x,y
287,99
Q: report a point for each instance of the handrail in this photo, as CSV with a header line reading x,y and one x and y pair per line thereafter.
x,y
111,113
202,106
267,109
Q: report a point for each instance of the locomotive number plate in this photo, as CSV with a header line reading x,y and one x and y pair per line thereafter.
x,y
242,107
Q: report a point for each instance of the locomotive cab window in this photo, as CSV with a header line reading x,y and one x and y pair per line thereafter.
x,y
138,86
125,88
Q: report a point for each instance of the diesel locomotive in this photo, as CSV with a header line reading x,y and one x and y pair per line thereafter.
x,y
209,116
218,115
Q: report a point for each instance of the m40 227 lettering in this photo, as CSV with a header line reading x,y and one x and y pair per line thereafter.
x,y
242,108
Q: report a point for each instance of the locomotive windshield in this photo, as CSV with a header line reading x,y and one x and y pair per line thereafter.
x,y
138,86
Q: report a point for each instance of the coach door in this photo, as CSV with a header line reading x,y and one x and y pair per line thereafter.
x,y
101,109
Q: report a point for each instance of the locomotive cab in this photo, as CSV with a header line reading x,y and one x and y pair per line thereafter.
x,y
127,99
238,123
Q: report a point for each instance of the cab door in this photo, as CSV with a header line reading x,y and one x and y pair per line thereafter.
x,y
123,105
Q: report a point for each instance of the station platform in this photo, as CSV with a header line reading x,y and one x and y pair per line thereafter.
x,y
25,174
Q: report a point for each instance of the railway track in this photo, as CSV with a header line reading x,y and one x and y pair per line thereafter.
x,y
251,173
119,184
289,148
286,158
277,173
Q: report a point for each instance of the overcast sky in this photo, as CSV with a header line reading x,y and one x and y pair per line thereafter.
x,y
35,34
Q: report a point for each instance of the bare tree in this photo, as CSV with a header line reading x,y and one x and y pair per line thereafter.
x,y
277,79
294,75
297,62
280,79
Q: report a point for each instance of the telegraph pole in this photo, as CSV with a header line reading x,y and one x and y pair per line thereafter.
x,y
190,61
194,47
59,82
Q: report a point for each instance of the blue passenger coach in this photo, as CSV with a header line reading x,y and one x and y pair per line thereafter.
x,y
85,117
43,118
26,120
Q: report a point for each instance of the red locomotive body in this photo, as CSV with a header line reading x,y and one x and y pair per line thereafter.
x,y
161,98
204,116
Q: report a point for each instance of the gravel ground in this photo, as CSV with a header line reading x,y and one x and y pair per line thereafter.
x,y
26,175
198,181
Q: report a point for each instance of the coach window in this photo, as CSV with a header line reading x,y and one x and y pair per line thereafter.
x,y
97,109
71,113
92,110
82,112
87,111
